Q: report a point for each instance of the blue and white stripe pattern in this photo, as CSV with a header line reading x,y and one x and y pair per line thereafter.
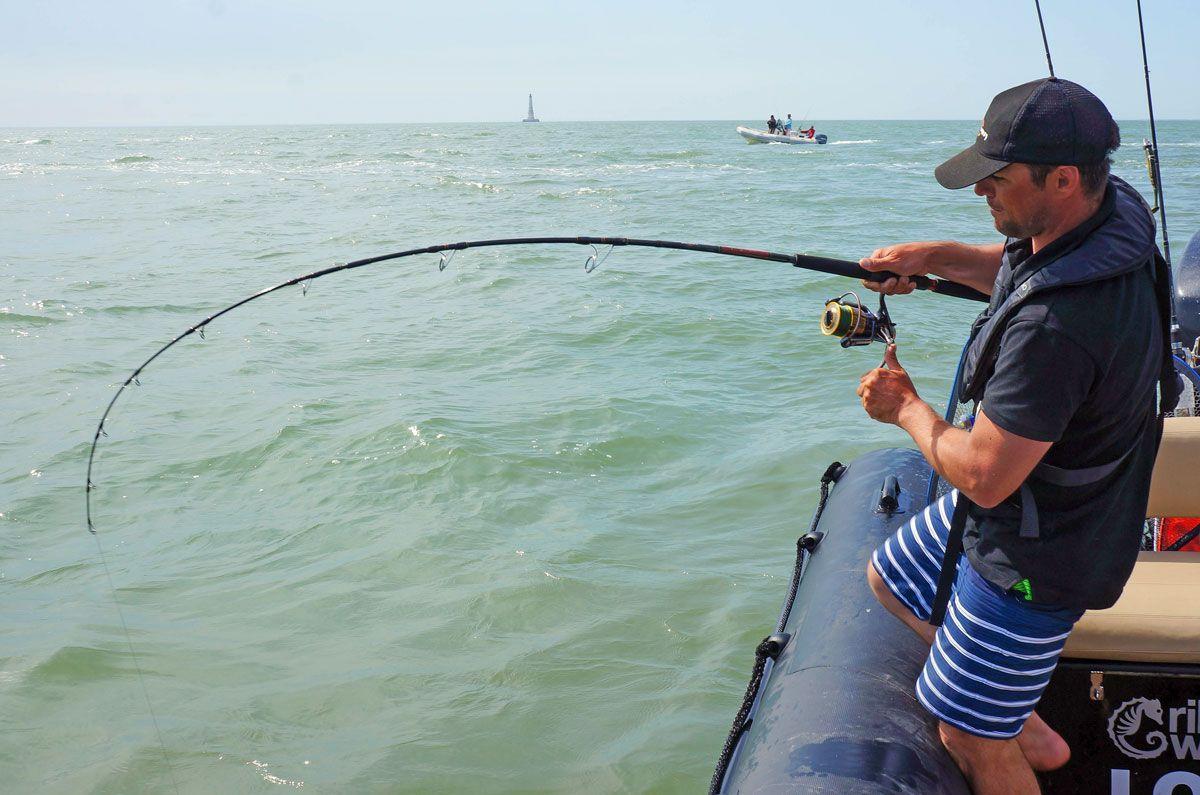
x,y
910,561
994,654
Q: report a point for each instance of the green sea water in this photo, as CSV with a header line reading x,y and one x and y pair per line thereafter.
x,y
508,527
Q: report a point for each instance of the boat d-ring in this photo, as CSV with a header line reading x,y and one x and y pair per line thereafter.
x,y
444,260
594,260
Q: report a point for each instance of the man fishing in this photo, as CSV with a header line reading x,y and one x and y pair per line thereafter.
x,y
1053,475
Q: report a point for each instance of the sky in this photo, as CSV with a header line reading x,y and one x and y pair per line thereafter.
x,y
189,62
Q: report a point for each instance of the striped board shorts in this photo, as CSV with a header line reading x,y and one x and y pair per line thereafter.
x,y
994,653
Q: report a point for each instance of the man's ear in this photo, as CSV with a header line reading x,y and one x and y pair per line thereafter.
x,y
1066,179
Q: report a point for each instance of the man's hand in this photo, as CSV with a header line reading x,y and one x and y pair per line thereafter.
x,y
904,260
886,391
974,266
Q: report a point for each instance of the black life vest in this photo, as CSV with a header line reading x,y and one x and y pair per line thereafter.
x,y
1122,243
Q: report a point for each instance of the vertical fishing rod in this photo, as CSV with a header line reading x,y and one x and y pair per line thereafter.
x,y
1153,167
1045,43
1155,173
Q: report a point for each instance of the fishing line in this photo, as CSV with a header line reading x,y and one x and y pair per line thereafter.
x,y
137,666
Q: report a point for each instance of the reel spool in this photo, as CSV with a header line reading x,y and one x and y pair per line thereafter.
x,y
854,324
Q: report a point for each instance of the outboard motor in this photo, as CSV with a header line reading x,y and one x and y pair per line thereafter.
x,y
823,138
1187,293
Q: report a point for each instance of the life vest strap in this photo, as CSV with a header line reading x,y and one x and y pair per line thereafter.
x,y
954,548
1059,476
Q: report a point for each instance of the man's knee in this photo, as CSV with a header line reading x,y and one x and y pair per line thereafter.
x,y
879,587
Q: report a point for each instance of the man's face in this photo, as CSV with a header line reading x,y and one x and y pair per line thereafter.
x,y
1020,207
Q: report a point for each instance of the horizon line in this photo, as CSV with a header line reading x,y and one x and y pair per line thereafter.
x,y
143,125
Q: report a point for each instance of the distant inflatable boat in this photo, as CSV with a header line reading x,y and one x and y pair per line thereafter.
x,y
764,137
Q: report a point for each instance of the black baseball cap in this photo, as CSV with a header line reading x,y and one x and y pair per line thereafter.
x,y
1049,121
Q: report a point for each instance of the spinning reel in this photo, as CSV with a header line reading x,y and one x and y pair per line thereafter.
x,y
846,317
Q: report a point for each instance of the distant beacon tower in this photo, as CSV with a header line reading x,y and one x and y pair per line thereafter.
x,y
530,117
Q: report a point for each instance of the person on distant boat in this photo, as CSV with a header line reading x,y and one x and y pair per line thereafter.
x,y
1052,477
787,125
772,124
810,132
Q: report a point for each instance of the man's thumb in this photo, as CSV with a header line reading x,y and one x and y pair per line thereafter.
x,y
889,358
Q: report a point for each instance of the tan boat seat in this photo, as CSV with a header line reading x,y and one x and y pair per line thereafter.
x,y
1157,618
1175,484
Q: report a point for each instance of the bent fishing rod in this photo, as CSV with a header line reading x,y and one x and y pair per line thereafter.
x,y
810,262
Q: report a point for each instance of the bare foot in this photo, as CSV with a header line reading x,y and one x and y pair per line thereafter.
x,y
1044,748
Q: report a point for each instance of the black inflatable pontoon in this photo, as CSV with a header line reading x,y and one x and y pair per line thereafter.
x,y
836,712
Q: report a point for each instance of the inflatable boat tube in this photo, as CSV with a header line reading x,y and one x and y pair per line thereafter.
x,y
836,711
1187,292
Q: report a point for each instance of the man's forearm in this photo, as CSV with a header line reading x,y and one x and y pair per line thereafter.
x,y
974,266
946,448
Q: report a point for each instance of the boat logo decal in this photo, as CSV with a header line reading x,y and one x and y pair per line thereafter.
x,y
1125,724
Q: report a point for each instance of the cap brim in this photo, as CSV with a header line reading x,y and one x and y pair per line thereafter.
x,y
966,168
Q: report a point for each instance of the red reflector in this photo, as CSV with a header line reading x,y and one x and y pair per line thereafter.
x,y
1174,528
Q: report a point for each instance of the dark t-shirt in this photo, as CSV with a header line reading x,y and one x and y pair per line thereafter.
x,y
1077,366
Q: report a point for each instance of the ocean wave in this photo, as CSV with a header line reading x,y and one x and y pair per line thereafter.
x,y
566,194
864,141
683,154
130,309
486,187
37,142
76,664
133,159
909,166
27,320
62,573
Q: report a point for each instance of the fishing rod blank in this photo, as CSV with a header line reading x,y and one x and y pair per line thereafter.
x,y
828,265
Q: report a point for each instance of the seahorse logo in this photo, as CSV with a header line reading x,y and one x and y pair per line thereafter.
x,y
1125,723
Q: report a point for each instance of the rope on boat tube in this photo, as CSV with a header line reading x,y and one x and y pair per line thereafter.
x,y
773,644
